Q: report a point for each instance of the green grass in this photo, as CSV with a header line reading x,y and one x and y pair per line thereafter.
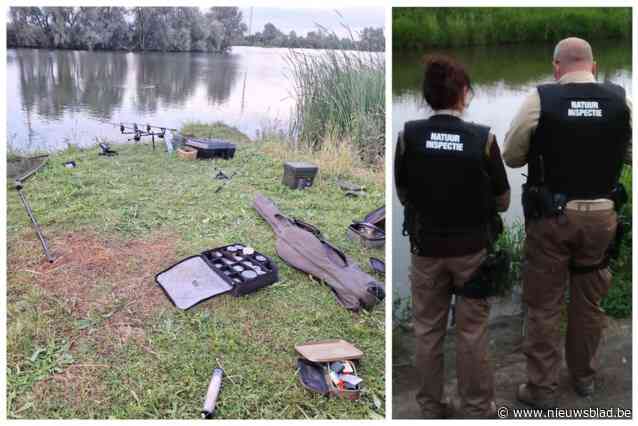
x,y
414,28
340,94
65,358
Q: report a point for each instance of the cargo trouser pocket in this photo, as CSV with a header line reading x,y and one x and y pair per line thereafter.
x,y
543,283
423,273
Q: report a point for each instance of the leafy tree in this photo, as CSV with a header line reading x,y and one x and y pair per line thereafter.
x,y
271,34
372,39
231,29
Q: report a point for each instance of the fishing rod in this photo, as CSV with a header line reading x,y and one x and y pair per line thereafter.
x,y
128,124
152,126
139,131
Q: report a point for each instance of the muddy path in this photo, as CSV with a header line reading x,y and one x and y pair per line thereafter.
x,y
613,383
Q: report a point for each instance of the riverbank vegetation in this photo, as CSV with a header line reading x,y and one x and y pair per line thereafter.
x,y
166,29
618,302
340,95
92,336
448,27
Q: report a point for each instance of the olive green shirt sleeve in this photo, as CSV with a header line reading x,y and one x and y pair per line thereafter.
x,y
522,128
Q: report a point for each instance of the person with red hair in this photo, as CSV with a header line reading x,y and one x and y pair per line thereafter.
x,y
451,180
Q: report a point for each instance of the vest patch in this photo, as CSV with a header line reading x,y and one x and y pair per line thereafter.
x,y
444,141
584,109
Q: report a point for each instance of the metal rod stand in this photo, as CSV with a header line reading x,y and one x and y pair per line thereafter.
x,y
36,226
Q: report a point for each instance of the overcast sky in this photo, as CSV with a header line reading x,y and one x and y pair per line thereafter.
x,y
302,20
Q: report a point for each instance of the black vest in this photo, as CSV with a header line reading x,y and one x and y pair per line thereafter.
x,y
448,189
582,137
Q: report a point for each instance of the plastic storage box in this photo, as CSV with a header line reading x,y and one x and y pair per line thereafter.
x,y
212,148
298,175
314,366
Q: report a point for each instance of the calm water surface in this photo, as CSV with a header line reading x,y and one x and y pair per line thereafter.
x,y
54,96
502,76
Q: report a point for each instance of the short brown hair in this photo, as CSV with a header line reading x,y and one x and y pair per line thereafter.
x,y
444,79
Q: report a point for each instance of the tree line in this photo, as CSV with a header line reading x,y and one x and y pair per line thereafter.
x,y
119,28
369,39
169,29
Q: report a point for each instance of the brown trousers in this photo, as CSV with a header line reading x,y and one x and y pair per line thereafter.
x,y
432,280
550,246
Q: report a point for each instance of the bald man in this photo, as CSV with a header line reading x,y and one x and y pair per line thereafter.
x,y
574,135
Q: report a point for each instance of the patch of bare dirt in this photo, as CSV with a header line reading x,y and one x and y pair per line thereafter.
x,y
105,281
95,274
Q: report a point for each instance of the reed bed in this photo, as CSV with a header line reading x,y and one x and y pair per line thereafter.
x,y
450,27
339,95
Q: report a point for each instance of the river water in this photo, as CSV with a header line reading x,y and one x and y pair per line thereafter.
x,y
54,97
502,76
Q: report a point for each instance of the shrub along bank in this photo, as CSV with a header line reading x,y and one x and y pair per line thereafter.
x,y
469,26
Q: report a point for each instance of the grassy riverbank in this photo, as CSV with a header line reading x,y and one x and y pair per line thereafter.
x,y
414,28
92,336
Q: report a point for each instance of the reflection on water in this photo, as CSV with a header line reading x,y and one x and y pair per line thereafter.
x,y
52,94
502,77
50,83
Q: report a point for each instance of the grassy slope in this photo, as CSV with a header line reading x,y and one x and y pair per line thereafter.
x,y
56,364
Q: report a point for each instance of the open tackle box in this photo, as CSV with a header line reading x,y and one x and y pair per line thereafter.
x,y
370,232
235,269
329,368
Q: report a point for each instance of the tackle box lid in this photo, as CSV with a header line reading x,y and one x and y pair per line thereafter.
x,y
208,143
376,217
300,165
191,281
328,351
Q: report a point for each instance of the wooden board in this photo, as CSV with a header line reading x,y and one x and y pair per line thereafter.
x,y
328,351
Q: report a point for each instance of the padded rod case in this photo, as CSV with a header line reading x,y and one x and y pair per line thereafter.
x,y
303,247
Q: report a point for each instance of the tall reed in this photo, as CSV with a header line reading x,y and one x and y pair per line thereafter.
x,y
339,94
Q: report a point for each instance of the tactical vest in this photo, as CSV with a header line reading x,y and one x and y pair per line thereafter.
x,y
581,137
448,190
